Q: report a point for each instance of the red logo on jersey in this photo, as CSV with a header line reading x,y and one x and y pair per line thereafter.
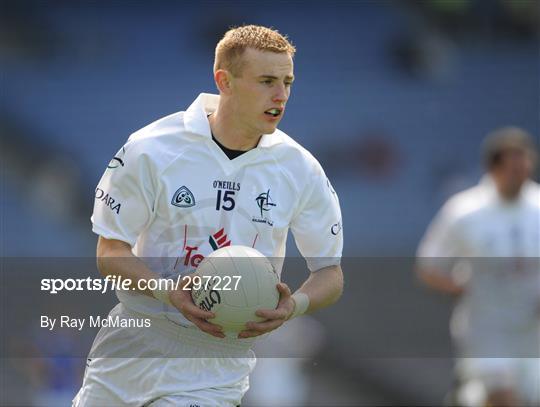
x,y
192,260
217,241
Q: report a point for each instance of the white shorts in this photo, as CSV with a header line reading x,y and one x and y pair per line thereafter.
x,y
164,365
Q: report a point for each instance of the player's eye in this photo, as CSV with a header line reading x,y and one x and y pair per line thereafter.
x,y
288,83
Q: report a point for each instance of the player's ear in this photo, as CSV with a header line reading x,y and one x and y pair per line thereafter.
x,y
223,81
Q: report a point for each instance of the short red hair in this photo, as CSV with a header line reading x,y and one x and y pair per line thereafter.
x,y
230,48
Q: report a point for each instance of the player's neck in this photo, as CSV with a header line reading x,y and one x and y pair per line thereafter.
x,y
508,191
231,133
509,194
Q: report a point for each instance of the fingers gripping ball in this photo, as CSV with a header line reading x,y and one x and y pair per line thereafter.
x,y
233,282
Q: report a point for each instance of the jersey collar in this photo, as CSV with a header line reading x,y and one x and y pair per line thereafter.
x,y
196,120
489,185
195,117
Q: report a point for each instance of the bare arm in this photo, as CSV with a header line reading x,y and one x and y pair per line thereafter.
x,y
439,281
323,288
114,257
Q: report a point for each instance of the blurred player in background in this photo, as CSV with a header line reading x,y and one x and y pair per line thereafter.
x,y
483,247
217,174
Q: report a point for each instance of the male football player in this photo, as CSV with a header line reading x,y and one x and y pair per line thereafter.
x,y
493,232
216,174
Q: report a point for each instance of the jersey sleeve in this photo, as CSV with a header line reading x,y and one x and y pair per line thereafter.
x,y
124,197
442,243
317,224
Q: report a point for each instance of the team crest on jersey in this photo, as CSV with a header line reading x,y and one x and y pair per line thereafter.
x,y
183,198
265,204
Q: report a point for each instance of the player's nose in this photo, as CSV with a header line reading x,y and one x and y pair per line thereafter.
x,y
281,95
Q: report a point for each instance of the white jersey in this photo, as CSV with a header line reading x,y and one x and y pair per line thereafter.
x,y
500,241
173,194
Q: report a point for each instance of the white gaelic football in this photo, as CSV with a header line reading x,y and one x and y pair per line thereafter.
x,y
233,282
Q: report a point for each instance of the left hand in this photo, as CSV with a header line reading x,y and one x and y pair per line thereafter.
x,y
274,317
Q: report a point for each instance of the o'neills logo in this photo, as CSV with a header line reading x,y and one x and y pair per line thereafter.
x,y
228,185
108,200
118,160
206,297
209,300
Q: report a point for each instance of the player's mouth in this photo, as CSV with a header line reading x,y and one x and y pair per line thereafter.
x,y
274,112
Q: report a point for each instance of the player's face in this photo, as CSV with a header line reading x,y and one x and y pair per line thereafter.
x,y
513,170
261,90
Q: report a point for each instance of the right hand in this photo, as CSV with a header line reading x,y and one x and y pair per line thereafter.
x,y
182,300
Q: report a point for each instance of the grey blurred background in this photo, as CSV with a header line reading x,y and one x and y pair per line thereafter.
x,y
393,98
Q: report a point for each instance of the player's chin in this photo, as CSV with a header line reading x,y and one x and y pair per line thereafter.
x,y
269,127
